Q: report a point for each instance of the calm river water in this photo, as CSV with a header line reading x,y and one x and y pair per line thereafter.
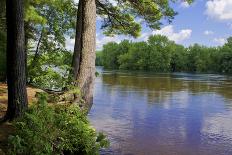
x,y
164,114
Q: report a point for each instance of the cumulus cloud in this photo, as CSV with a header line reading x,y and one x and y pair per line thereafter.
x,y
178,37
220,41
100,41
208,32
219,9
168,31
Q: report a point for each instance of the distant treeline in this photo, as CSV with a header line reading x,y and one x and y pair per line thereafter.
x,y
159,54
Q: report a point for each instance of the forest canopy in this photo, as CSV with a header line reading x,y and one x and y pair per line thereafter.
x,y
160,54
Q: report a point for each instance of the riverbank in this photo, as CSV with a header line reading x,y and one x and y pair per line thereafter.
x,y
32,128
31,92
6,128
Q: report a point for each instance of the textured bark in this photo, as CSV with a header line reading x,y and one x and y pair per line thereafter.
x,y
16,77
2,39
85,45
78,41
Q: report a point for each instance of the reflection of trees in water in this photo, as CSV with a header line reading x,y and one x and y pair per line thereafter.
x,y
159,88
168,126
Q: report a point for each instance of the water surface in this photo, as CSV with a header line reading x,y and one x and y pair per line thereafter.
x,y
164,114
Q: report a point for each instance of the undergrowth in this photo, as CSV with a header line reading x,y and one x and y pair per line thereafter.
x,y
54,129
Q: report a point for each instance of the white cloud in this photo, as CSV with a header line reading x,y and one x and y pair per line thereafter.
x,y
219,9
100,41
220,41
208,32
178,37
168,31
184,5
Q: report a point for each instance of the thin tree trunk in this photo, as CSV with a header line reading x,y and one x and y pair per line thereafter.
x,y
36,56
84,53
16,77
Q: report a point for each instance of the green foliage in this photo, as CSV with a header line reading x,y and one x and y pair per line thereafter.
x,y
154,55
162,55
98,60
134,59
47,25
112,57
226,57
122,18
51,70
178,59
54,129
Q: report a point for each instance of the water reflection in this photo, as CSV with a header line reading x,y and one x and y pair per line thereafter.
x,y
149,114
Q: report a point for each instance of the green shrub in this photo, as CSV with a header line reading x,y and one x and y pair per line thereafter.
x,y
50,70
55,129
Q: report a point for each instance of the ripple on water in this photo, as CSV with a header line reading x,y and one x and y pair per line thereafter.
x,y
164,114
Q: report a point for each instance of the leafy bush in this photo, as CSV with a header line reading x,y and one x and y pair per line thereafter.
x,y
50,70
55,129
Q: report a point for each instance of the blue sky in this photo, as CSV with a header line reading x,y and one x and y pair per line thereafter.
x,y
207,22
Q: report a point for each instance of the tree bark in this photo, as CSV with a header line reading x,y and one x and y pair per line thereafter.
x,y
78,41
2,40
84,50
16,76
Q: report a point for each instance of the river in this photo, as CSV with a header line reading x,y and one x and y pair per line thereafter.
x,y
163,114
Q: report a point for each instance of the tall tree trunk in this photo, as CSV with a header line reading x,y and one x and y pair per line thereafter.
x,y
16,76
36,56
78,41
84,51
2,40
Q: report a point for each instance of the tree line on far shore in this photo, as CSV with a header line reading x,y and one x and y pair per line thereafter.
x,y
160,54
33,35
